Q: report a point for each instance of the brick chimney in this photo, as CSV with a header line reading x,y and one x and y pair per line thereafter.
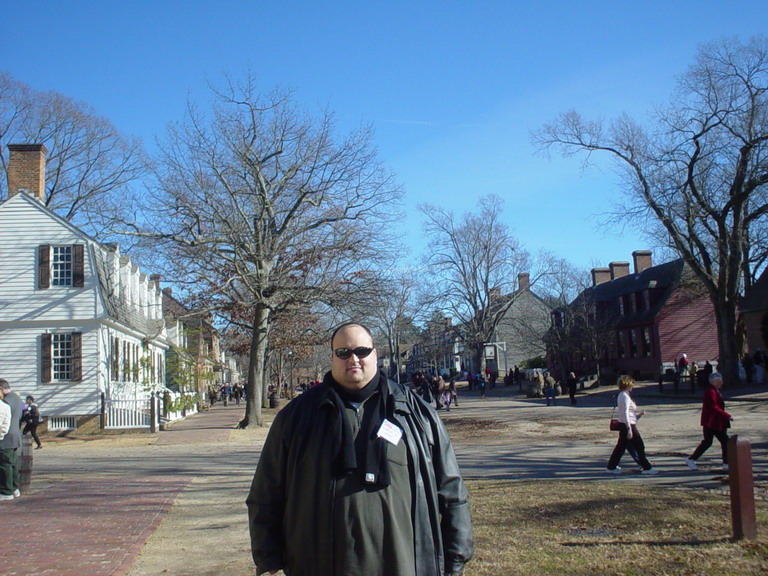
x,y
600,276
619,269
643,260
523,281
26,170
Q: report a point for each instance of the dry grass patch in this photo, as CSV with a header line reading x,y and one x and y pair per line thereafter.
x,y
601,528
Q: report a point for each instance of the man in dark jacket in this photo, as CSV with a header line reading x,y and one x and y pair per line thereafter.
x,y
9,445
358,477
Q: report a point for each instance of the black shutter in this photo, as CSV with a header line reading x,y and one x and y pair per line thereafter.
x,y
43,266
77,356
45,357
78,265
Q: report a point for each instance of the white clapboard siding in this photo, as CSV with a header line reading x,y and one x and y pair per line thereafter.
x,y
100,310
20,361
24,225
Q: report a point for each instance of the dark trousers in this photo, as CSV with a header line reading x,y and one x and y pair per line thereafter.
x,y
721,435
30,428
635,446
9,471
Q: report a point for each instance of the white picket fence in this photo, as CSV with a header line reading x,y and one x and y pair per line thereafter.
x,y
125,414
131,414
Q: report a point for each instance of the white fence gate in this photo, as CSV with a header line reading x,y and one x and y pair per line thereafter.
x,y
126,414
123,414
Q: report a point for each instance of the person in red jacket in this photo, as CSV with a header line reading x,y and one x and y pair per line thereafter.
x,y
715,422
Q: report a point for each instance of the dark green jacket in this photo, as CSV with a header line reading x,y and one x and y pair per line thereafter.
x,y
290,502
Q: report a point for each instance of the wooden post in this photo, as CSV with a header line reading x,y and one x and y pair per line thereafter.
x,y
742,488
152,413
103,414
26,459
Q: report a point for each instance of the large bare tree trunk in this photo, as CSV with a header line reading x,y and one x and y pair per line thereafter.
x,y
257,385
729,349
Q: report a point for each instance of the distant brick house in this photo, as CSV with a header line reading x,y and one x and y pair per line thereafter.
x,y
650,316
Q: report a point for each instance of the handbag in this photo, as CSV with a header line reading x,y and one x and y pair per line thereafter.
x,y
614,425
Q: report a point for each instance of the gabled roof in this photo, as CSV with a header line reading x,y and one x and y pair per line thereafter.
x,y
518,294
115,307
660,280
757,299
31,202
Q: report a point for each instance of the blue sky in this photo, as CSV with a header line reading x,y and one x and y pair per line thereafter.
x,y
451,88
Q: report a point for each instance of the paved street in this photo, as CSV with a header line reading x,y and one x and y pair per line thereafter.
x,y
141,504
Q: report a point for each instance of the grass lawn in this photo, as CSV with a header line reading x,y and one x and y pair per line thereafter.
x,y
604,528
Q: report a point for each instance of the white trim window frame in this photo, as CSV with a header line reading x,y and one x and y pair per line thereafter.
x,y
62,269
61,356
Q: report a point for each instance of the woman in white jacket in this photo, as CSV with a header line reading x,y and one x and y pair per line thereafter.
x,y
629,436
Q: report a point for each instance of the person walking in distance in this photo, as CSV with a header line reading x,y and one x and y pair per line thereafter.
x,y
10,444
572,382
549,388
715,422
629,436
358,477
31,419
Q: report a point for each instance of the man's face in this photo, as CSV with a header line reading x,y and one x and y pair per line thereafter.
x,y
353,373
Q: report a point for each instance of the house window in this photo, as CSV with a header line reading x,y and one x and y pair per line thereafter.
x,y
647,341
621,305
126,361
62,265
633,344
61,357
620,344
135,367
115,360
646,299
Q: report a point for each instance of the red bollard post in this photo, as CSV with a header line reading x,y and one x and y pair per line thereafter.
x,y
742,489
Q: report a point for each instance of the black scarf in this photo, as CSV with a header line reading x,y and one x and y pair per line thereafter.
x,y
376,470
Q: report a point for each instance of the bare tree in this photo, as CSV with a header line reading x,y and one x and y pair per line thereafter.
x,y
581,330
91,167
471,262
263,209
700,175
391,311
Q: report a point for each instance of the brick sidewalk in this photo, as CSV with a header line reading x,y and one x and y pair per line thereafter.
x,y
83,528
97,526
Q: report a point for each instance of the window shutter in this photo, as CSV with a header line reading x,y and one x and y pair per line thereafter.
x,y
44,267
78,265
77,356
45,357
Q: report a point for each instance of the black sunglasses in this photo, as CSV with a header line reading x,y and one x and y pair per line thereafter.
x,y
345,353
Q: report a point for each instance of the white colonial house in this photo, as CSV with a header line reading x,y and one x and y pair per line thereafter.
x,y
81,326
